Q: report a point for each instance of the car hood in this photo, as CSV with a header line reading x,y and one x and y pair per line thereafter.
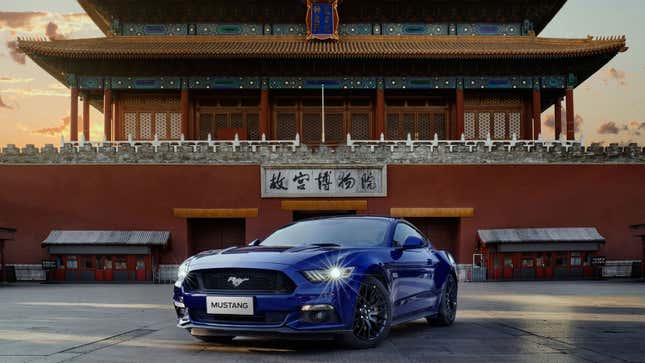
x,y
251,256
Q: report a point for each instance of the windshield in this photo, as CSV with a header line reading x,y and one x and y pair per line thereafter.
x,y
344,232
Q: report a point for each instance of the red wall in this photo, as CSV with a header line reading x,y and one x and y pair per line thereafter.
x,y
37,199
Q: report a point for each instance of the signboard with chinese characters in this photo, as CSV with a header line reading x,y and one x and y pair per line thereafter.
x,y
323,181
322,19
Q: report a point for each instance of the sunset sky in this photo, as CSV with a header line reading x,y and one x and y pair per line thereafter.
x,y
34,107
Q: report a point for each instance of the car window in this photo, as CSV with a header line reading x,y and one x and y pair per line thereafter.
x,y
347,232
402,232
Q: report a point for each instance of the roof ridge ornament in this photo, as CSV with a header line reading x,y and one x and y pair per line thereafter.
x,y
322,20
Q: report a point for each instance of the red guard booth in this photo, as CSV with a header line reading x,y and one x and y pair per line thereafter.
x,y
539,253
105,255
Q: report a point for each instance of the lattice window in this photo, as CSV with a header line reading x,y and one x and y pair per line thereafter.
x,y
469,125
237,121
408,125
130,124
440,126
221,122
360,126
334,127
424,128
483,123
499,125
392,131
175,125
286,126
311,127
253,126
161,125
515,124
145,125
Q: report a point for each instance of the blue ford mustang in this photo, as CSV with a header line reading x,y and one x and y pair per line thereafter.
x,y
347,277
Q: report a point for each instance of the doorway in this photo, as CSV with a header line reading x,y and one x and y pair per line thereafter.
x,y
210,234
300,215
442,232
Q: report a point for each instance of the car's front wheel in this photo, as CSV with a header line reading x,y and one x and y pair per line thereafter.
x,y
447,311
372,316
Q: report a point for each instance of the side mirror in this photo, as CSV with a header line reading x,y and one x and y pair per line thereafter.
x,y
254,243
413,242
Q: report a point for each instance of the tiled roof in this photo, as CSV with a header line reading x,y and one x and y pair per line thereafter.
x,y
519,235
129,238
349,47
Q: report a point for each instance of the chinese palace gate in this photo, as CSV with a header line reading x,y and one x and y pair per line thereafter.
x,y
254,70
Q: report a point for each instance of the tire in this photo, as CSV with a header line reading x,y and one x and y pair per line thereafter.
x,y
447,311
372,316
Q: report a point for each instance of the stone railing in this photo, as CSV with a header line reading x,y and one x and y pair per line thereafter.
x,y
352,152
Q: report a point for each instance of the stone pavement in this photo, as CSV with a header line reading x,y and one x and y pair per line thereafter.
x,y
601,321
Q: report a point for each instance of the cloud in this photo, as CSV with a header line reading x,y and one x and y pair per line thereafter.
x,y
608,128
629,129
15,53
613,74
19,21
63,125
29,92
4,105
15,80
549,121
51,31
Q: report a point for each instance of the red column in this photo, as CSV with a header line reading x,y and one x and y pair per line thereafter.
x,y
558,118
570,115
185,112
459,102
264,113
380,113
86,118
537,113
73,125
107,113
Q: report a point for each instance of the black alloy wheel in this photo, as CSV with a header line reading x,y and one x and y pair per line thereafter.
x,y
447,311
372,315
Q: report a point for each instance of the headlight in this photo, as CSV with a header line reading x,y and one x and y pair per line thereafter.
x,y
334,273
182,271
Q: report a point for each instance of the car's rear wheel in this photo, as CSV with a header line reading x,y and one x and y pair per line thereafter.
x,y
447,311
372,316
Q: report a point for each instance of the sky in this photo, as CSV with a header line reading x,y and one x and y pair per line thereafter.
x,y
34,107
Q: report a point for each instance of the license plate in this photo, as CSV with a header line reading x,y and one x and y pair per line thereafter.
x,y
229,305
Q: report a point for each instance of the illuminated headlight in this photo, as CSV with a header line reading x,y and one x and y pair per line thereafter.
x,y
334,273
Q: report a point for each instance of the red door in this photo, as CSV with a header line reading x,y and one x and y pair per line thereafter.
x,y
141,268
108,272
539,266
59,272
508,266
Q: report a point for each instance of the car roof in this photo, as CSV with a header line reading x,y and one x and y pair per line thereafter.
x,y
383,218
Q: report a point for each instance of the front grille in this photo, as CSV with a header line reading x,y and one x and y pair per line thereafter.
x,y
268,318
239,279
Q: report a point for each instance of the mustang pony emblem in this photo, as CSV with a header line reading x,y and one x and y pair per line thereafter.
x,y
237,281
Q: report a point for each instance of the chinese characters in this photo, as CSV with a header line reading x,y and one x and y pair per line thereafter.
x,y
323,182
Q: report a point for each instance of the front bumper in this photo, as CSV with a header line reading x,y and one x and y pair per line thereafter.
x,y
274,314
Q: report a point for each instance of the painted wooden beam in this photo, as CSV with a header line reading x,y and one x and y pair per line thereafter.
x,y
322,205
431,212
215,213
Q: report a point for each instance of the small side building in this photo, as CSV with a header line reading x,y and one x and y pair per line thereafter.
x,y
105,255
539,253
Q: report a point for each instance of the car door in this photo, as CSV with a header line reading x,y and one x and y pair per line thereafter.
x,y
412,271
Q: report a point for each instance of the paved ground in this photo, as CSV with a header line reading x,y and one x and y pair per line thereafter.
x,y
538,321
